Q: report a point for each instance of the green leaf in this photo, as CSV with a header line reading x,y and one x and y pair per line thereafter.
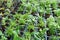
x,y
50,19
16,37
9,3
57,12
31,27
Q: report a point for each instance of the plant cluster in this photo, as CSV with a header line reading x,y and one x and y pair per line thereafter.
x,y
29,20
